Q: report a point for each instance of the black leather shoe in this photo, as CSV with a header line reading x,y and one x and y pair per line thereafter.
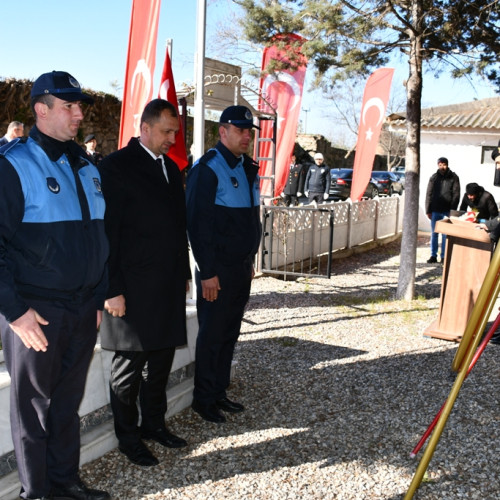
x,y
208,412
225,404
139,454
78,491
164,437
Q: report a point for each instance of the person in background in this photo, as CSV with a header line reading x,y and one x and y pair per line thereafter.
x,y
14,130
53,253
495,156
145,318
295,183
317,184
477,200
91,143
443,195
224,231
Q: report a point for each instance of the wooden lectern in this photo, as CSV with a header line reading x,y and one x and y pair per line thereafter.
x,y
467,258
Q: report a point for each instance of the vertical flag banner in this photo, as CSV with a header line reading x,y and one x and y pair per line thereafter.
x,y
283,88
167,91
138,89
375,99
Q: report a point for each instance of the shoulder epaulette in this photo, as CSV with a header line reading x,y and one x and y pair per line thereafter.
x,y
11,144
211,153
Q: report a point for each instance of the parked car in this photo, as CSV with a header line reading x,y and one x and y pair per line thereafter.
x,y
402,177
401,173
340,186
388,183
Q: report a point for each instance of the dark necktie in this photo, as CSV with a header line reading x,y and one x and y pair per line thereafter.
x,y
164,170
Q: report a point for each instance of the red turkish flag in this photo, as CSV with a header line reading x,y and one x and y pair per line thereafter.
x,y
138,88
177,152
375,99
283,89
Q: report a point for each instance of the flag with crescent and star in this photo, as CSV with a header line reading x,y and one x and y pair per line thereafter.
x,y
282,94
138,88
375,99
177,152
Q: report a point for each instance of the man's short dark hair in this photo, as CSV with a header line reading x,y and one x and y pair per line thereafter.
x,y
154,109
47,99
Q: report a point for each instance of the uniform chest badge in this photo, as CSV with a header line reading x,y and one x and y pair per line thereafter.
x,y
97,184
323,170
234,182
53,185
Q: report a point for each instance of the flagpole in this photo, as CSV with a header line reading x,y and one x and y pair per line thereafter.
x,y
169,46
199,102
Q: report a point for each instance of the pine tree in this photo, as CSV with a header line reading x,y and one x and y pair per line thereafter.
x,y
346,39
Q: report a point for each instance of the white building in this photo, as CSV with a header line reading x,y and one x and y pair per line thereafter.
x,y
464,133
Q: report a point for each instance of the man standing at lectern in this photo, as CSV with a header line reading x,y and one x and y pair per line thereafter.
x,y
443,195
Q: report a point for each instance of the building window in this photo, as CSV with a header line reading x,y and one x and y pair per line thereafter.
x,y
486,154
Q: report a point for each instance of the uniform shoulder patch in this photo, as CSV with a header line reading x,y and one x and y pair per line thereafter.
x,y
211,153
11,144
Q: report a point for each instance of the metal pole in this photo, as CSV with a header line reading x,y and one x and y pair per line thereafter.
x,y
199,100
330,245
479,316
478,353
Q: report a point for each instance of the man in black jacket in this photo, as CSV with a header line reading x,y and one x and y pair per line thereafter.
x,y
443,195
479,201
317,185
145,318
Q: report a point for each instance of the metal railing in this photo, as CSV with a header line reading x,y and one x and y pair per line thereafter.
x,y
299,241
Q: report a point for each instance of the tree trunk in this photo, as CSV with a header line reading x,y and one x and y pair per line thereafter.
x,y
408,259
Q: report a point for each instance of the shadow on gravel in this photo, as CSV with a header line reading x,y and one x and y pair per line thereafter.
x,y
307,319
319,404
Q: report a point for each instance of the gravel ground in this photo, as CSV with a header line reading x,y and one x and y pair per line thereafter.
x,y
339,385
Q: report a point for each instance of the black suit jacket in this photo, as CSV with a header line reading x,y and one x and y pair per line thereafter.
x,y
146,225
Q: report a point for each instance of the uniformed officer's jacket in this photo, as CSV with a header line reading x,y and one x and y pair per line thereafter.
x,y
222,197
318,179
295,180
52,240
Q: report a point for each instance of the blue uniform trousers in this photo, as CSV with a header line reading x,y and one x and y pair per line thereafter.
x,y
219,329
46,391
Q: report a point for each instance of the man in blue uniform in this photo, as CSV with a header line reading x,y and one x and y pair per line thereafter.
x,y
224,231
53,251
317,185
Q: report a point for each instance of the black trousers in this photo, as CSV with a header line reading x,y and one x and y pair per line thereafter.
x,y
317,197
143,375
219,329
291,199
46,391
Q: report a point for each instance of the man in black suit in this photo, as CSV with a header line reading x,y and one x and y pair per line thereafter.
x,y
145,317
